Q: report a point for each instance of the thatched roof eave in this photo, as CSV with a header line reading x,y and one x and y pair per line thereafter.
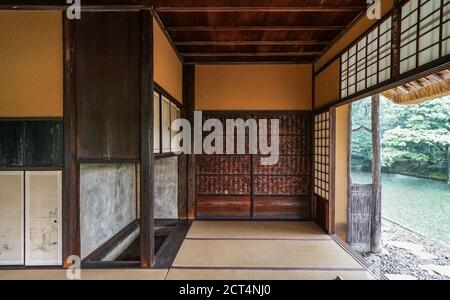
x,y
427,88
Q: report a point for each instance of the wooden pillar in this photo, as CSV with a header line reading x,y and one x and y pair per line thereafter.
x,y
375,242
70,203
349,166
147,157
184,188
189,97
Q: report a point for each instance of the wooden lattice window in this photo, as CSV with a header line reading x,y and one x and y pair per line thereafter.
x,y
367,62
425,32
322,155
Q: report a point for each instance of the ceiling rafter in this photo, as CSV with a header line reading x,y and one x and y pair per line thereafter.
x,y
245,54
256,9
249,43
248,30
255,28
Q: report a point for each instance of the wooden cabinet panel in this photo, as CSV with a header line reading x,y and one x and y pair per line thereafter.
x,y
43,143
11,218
43,193
228,185
31,143
108,80
11,143
223,206
281,207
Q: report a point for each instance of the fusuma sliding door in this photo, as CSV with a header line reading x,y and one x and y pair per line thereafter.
x,y
11,218
43,218
30,218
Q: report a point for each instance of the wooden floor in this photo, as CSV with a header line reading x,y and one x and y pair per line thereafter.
x,y
239,251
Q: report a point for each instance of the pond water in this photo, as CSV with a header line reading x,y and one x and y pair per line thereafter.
x,y
421,205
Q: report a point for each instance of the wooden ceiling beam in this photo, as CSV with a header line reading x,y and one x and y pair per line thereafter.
x,y
255,28
249,43
257,9
247,54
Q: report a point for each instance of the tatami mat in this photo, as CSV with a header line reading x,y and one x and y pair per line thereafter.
x,y
237,250
199,274
86,274
255,230
263,253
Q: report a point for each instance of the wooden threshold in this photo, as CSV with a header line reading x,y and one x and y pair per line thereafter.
x,y
169,249
109,245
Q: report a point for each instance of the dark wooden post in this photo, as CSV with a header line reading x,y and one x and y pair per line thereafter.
x,y
70,204
147,156
189,97
375,242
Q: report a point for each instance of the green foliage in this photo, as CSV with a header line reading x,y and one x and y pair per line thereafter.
x,y
410,133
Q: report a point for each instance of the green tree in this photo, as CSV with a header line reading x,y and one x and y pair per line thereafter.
x,y
411,135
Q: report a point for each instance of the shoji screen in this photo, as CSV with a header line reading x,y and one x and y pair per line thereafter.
x,y
11,218
322,192
165,115
156,123
368,62
43,237
322,155
166,112
174,115
425,32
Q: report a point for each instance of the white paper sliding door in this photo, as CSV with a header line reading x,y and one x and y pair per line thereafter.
x,y
174,116
43,193
165,111
11,218
156,123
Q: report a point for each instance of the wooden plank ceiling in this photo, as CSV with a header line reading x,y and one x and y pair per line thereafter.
x,y
212,31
